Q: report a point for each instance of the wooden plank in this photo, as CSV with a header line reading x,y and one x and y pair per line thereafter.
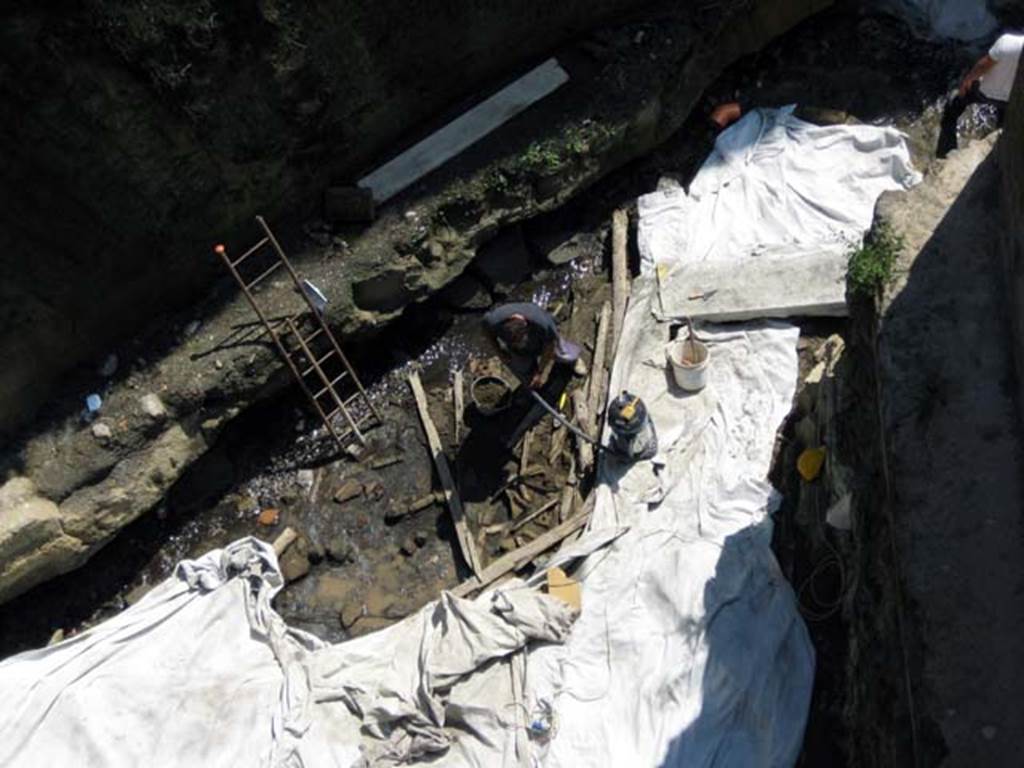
x,y
468,128
524,456
517,524
598,389
520,557
458,402
444,472
620,272
568,492
584,450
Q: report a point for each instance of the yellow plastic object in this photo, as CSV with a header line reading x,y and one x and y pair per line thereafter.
x,y
629,411
563,400
564,588
810,462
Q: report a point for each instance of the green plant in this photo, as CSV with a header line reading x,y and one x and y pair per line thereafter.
x,y
871,266
543,157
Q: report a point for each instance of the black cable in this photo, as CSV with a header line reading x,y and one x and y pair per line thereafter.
x,y
579,433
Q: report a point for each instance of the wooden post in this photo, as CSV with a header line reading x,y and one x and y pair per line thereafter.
x,y
568,492
524,457
584,450
620,272
444,472
459,403
598,388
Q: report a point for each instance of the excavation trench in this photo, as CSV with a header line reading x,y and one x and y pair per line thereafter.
x,y
374,545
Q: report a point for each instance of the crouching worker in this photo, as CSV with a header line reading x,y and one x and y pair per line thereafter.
x,y
528,340
990,81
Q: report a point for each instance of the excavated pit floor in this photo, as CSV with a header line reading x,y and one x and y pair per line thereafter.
x,y
359,566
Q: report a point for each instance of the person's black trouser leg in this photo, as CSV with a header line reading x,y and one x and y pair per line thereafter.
x,y
955,107
950,117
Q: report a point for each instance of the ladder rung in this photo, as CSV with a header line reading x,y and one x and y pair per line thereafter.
x,y
250,252
316,333
334,381
259,279
344,404
318,363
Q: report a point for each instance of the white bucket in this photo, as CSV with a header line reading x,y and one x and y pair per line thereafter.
x,y
690,374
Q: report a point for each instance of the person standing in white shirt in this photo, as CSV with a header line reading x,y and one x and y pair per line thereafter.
x,y
990,81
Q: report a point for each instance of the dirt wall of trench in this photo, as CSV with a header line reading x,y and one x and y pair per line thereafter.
x,y
135,134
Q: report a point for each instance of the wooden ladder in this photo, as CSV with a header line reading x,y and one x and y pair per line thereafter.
x,y
314,357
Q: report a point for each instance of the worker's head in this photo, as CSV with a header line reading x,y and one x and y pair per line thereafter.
x,y
515,332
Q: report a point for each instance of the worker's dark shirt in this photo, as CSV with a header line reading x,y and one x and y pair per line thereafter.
x,y
541,331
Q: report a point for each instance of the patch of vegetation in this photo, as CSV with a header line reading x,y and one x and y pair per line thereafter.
x,y
550,156
871,266
543,157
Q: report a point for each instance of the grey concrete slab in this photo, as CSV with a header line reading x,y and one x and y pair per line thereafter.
x,y
465,130
804,284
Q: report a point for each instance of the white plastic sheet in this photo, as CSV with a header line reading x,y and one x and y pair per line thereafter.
x,y
203,672
775,185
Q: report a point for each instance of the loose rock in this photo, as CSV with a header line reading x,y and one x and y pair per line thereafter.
x,y
153,406
101,431
347,491
294,563
269,516
305,478
340,550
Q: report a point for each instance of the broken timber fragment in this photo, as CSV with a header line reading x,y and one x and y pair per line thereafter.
x,y
620,273
523,555
349,205
597,389
584,450
285,540
466,543
385,461
459,402
418,505
348,490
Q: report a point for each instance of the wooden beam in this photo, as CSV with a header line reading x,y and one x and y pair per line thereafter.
x,y
519,557
459,403
584,450
444,472
598,389
620,272
568,492
524,456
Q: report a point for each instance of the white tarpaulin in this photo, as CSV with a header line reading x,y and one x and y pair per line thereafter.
x,y
689,649
774,185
